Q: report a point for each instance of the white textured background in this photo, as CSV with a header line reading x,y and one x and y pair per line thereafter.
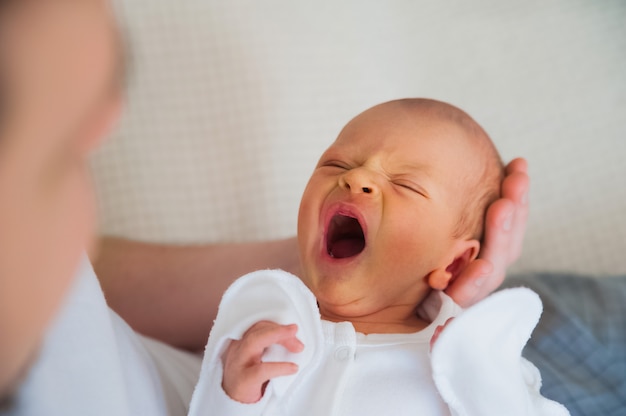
x,y
231,102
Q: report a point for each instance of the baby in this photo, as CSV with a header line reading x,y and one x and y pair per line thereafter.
x,y
392,213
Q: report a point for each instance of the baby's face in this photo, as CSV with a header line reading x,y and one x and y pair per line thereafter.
x,y
379,212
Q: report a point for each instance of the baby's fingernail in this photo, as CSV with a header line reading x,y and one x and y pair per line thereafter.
x,y
525,198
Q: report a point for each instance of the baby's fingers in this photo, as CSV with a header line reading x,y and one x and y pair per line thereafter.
x,y
249,387
266,371
264,334
245,374
438,331
290,341
248,351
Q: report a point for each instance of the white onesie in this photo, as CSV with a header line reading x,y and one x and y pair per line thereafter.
x,y
475,368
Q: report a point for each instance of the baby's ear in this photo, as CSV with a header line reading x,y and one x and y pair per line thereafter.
x,y
463,253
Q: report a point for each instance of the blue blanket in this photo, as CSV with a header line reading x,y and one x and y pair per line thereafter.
x,y
580,343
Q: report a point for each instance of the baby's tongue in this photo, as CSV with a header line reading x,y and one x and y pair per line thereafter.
x,y
347,247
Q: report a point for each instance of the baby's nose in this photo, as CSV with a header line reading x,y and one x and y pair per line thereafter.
x,y
359,180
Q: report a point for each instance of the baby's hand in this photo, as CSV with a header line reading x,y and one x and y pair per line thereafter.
x,y
438,331
245,374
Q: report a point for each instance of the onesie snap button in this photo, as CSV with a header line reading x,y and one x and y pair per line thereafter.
x,y
342,353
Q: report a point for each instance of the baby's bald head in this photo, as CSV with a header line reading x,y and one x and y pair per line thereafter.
x,y
482,187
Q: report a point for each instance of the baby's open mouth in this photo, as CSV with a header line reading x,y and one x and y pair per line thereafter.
x,y
344,237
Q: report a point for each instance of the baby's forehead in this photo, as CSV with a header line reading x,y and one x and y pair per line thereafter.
x,y
411,122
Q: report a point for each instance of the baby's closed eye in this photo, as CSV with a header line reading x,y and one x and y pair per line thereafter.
x,y
411,186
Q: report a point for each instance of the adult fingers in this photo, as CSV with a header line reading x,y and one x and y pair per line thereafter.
x,y
474,283
515,188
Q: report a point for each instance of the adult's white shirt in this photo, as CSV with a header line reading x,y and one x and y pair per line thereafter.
x,y
93,363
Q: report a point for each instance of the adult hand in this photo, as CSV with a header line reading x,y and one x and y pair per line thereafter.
x,y
505,226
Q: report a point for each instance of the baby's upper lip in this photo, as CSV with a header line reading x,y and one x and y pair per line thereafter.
x,y
345,233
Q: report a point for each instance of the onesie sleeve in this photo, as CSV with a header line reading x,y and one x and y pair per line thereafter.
x,y
272,295
477,363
